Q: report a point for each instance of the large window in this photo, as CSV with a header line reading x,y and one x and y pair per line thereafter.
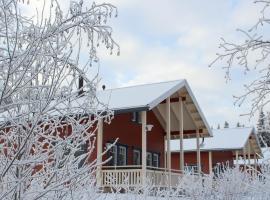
x,y
136,157
118,154
155,160
112,153
192,168
149,159
122,155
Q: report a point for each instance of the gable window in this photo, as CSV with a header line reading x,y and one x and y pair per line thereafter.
x,y
149,159
136,157
122,155
155,160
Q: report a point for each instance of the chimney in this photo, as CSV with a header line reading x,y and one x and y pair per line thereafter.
x,y
80,85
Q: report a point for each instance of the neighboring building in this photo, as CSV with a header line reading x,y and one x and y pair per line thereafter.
x,y
224,147
145,115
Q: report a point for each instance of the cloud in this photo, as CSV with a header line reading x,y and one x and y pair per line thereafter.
x,y
166,40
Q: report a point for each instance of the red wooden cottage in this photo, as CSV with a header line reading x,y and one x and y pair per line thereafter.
x,y
145,116
226,147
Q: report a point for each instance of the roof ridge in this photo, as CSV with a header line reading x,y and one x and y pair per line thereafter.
x,y
142,85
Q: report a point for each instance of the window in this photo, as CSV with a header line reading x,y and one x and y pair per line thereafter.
x,y
122,155
191,168
155,160
112,153
136,117
149,159
136,157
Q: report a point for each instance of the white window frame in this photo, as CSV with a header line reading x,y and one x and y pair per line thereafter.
x,y
113,150
155,158
149,158
191,168
138,161
122,152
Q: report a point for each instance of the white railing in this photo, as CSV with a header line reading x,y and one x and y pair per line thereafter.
x,y
117,176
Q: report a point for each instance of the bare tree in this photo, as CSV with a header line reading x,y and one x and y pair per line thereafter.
x,y
252,54
48,106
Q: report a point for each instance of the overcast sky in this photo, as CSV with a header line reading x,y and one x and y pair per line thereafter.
x,y
175,39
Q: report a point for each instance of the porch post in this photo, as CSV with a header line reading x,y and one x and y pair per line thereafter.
x,y
244,156
144,142
168,130
165,153
255,160
181,128
248,152
198,151
237,157
99,152
210,162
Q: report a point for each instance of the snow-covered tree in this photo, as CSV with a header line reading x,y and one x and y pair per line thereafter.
x,y
48,106
251,52
218,127
238,125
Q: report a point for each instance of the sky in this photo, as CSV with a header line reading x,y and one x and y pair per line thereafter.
x,y
176,39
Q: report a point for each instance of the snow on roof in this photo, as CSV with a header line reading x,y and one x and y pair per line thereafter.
x,y
144,96
223,139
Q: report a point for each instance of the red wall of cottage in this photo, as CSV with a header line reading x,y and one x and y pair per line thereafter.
x,y
191,159
129,133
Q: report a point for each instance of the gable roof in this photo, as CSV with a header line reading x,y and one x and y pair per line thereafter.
x,y
223,139
145,97
139,97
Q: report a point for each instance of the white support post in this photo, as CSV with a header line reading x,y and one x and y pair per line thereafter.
x,y
237,157
255,160
99,152
248,143
168,131
165,153
144,146
198,151
181,132
245,158
210,162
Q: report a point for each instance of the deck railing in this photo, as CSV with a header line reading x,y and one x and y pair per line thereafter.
x,y
122,176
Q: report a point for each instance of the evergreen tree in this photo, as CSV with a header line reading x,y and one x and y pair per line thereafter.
x,y
262,130
226,124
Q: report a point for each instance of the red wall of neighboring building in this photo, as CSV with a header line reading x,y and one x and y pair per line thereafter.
x,y
191,159
222,157
129,133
